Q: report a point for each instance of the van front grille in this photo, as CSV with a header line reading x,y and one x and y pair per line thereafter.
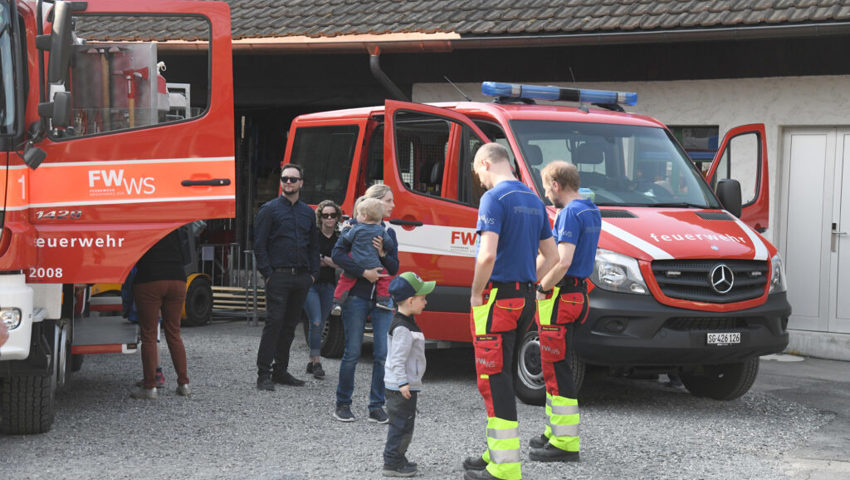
x,y
707,280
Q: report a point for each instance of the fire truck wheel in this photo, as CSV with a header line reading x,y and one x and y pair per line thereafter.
x,y
199,302
528,372
333,337
26,404
723,382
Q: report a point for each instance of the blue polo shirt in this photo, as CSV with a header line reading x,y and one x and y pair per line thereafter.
x,y
579,223
516,213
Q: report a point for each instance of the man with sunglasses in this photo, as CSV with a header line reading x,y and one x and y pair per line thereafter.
x,y
286,245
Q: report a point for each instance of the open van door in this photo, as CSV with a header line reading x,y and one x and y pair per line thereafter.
x,y
428,155
743,157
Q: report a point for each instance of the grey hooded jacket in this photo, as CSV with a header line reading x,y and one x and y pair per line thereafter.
x,y
405,362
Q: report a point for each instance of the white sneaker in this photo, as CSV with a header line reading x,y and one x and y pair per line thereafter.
x,y
144,394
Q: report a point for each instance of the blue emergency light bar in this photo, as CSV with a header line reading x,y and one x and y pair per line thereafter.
x,y
539,92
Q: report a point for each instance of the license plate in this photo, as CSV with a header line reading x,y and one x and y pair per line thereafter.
x,y
724,338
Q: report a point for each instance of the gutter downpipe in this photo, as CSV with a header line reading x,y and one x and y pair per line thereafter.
x,y
383,79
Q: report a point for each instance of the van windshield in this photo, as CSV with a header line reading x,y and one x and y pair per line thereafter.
x,y
623,165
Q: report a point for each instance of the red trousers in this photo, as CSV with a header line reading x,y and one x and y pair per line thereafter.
x,y
165,297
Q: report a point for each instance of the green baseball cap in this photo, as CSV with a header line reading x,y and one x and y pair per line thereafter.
x,y
409,284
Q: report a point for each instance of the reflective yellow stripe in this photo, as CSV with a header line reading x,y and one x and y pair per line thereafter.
x,y
503,447
570,408
564,420
502,434
482,312
546,307
504,456
564,430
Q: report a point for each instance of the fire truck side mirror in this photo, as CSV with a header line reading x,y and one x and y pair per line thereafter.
x,y
729,193
60,44
33,156
58,111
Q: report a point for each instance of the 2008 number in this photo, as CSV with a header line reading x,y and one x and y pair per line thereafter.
x,y
41,272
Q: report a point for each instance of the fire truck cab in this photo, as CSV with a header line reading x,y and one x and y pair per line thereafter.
x,y
683,282
100,161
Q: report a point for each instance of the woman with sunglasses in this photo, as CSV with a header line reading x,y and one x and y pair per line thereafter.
x,y
320,297
359,305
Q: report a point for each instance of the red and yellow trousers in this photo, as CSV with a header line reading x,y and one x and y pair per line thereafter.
x,y
563,310
494,326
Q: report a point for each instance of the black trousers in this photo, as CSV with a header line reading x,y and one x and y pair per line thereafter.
x,y
285,296
402,413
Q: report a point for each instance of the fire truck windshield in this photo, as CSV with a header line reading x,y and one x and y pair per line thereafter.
x,y
623,165
7,83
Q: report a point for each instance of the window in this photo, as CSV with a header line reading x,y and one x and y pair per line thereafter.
x,y
326,155
740,161
619,164
421,146
699,141
469,188
129,74
375,158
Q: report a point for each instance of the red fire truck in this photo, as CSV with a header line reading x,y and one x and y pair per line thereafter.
x,y
102,158
683,281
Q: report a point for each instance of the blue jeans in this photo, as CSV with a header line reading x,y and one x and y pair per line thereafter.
x,y
354,313
318,307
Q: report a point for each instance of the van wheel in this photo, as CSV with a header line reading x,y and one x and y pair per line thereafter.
x,y
333,337
529,384
723,382
199,302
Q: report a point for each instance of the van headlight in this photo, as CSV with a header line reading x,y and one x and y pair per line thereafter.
x,y
11,316
777,275
617,273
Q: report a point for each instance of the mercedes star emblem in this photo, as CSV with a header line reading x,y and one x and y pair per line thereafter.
x,y
721,279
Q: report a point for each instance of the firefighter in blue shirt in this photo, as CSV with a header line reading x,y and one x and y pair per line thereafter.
x,y
513,226
562,297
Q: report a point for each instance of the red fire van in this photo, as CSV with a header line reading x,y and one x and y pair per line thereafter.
x,y
683,283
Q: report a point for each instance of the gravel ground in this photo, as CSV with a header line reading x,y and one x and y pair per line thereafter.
x,y
228,429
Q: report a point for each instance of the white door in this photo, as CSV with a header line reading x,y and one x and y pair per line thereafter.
x,y
839,318
815,214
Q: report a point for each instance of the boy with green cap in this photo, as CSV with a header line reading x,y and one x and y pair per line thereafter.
x,y
403,369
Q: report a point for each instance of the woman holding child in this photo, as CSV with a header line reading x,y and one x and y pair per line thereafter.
x,y
362,303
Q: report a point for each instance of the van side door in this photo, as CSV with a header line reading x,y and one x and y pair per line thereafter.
x,y
427,160
743,156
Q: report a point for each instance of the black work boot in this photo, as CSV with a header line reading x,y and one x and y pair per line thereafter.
x,y
538,442
550,453
478,475
473,463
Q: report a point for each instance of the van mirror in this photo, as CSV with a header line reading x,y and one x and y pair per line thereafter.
x,y
729,193
60,44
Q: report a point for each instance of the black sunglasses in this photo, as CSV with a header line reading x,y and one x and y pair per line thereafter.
x,y
289,179
329,215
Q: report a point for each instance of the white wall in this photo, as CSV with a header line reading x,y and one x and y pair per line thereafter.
x,y
777,102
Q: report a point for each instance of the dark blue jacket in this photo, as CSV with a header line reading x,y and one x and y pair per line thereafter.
x,y
285,236
363,288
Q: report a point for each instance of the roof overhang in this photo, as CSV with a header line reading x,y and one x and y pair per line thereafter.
x,y
449,41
